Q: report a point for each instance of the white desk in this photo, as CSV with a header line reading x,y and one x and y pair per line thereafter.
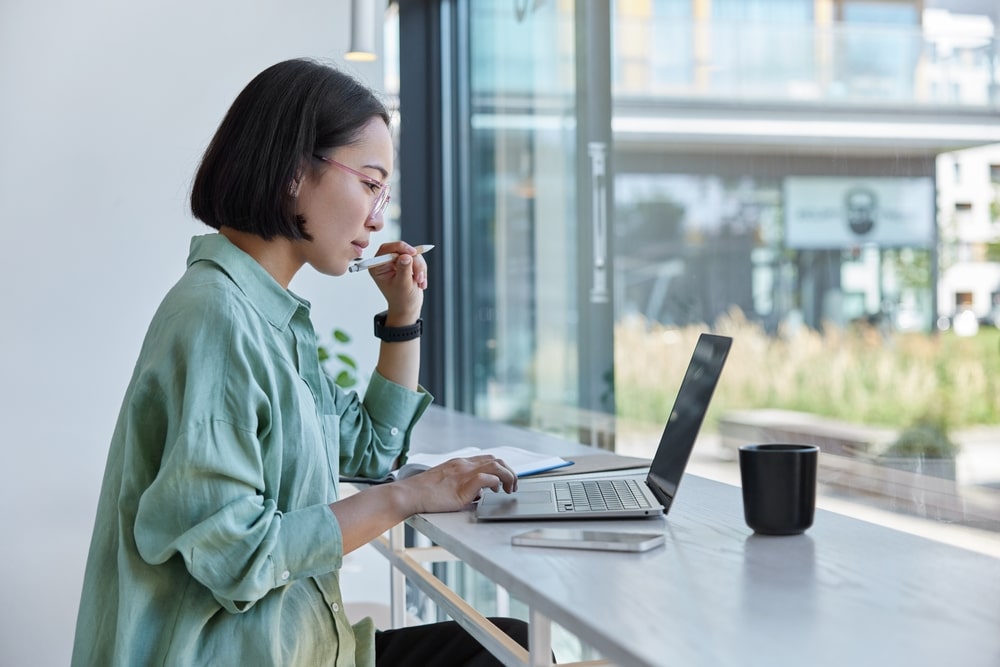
x,y
845,593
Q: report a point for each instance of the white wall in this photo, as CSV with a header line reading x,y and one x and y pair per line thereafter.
x,y
964,177
105,109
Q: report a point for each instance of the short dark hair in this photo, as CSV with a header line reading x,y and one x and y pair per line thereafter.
x,y
288,113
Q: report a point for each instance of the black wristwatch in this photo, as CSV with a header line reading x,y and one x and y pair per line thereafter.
x,y
396,334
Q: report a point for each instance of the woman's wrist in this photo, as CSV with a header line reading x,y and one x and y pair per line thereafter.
x,y
400,321
401,317
403,499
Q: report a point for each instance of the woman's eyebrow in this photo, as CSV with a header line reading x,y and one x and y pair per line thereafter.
x,y
379,169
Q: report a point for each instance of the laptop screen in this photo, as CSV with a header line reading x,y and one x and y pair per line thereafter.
x,y
685,419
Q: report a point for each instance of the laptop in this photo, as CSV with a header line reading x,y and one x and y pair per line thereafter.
x,y
626,496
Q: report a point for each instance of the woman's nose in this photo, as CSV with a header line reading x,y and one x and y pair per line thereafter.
x,y
376,222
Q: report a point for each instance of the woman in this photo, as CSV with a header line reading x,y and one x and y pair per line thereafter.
x,y
220,529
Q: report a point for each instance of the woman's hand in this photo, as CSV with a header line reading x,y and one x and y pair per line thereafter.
x,y
445,488
454,484
402,282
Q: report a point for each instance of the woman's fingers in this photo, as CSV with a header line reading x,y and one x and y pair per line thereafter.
x,y
403,280
454,484
502,473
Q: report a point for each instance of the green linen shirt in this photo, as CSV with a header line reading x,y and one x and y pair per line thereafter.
x,y
214,543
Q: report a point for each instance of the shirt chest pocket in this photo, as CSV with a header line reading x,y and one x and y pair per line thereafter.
x,y
309,443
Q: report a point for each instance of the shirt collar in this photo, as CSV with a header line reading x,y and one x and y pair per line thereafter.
x,y
275,303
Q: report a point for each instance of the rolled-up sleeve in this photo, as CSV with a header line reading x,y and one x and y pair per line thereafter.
x,y
207,505
376,432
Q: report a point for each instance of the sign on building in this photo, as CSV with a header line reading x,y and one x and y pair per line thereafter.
x,y
823,213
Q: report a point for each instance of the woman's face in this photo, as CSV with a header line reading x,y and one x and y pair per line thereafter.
x,y
337,204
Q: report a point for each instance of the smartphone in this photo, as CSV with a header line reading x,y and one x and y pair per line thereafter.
x,y
604,540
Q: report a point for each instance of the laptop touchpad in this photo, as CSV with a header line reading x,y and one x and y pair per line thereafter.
x,y
531,497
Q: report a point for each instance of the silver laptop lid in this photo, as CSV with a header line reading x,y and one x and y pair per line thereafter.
x,y
686,416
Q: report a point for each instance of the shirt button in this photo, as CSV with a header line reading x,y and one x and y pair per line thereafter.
x,y
335,607
394,431
285,575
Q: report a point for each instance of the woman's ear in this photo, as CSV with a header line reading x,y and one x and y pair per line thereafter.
x,y
296,184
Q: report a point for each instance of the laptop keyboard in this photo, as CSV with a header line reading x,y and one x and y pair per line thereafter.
x,y
601,494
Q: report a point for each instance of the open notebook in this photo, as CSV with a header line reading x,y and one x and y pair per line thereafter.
x,y
521,461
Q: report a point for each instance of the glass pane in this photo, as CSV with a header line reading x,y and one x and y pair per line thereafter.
x,y
858,278
768,184
521,289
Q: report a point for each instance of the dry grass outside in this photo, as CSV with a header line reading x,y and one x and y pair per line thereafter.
x,y
856,375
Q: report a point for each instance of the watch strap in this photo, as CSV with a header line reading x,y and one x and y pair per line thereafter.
x,y
396,334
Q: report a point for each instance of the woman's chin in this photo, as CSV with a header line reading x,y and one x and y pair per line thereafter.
x,y
336,268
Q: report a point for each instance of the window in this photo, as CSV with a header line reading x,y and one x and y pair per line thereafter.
x,y
763,180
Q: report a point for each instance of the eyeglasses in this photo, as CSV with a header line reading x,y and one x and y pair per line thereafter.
x,y
382,196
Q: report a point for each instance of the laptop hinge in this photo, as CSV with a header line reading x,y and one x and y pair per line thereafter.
x,y
658,487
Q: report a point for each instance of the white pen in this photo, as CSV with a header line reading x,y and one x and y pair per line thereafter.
x,y
362,264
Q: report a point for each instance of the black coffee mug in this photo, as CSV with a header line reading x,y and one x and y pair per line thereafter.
x,y
779,487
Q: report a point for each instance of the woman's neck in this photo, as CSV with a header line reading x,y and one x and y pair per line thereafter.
x,y
276,256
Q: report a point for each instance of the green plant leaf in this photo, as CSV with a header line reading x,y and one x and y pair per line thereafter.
x,y
345,380
347,360
345,371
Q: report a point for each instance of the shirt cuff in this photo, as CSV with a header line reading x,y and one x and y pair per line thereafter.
x,y
394,410
309,544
